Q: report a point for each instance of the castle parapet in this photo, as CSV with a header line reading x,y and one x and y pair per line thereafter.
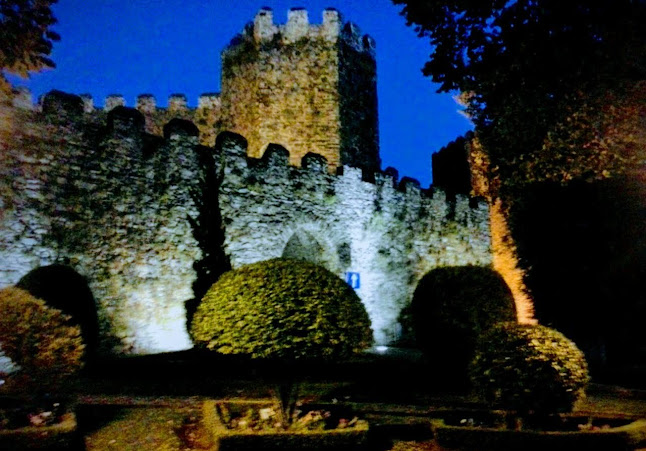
x,y
177,103
263,25
410,185
112,101
88,103
299,27
314,162
179,128
125,121
233,147
276,156
61,106
209,101
331,27
389,177
146,103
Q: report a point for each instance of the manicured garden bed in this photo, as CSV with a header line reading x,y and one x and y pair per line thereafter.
x,y
486,431
337,434
60,435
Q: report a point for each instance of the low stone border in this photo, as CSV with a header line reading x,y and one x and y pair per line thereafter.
x,y
225,439
627,437
61,436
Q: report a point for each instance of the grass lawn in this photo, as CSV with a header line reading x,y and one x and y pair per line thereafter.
x,y
142,428
110,428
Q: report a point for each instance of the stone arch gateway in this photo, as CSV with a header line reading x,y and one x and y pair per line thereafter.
x,y
63,288
304,246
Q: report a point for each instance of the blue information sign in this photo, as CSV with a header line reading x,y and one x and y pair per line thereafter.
x,y
353,279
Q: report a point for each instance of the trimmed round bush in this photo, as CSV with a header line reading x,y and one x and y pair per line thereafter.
x,y
39,341
452,306
282,308
529,369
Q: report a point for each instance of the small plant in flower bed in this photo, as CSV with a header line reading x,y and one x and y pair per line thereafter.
x,y
15,413
554,423
269,419
529,370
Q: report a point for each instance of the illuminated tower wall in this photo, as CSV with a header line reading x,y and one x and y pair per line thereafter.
x,y
308,88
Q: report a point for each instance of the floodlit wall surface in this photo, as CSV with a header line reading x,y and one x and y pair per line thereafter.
x,y
116,192
309,88
111,202
388,233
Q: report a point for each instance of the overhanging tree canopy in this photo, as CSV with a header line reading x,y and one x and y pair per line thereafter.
x,y
25,37
527,65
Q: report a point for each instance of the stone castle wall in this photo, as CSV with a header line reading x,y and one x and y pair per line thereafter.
x,y
114,202
389,233
110,201
117,193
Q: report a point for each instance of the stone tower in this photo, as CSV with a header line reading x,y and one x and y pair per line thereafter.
x,y
308,88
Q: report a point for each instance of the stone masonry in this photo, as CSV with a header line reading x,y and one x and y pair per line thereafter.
x,y
114,193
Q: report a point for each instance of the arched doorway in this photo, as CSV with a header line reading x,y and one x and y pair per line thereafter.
x,y
451,307
63,288
310,247
303,246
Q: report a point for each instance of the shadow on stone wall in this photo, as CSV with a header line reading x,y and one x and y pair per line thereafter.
x,y
208,230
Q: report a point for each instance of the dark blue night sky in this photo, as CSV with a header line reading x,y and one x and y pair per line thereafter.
x,y
160,47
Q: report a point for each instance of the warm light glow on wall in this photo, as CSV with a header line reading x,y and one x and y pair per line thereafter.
x,y
505,261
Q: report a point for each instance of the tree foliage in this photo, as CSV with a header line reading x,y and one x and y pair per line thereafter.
x,y
528,68
529,369
26,38
39,340
283,309
557,92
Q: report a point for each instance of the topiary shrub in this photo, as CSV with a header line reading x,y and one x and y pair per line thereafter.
x,y
529,369
282,309
452,306
39,341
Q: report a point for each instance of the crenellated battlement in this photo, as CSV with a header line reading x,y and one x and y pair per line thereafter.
x,y
205,115
276,159
274,168
264,30
146,103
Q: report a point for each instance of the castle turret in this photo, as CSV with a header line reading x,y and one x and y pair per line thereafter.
x,y
307,87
